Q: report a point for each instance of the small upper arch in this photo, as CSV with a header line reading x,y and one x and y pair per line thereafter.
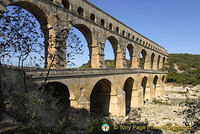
x,y
92,17
80,11
65,4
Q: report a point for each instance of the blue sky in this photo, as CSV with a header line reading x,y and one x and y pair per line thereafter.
x,y
173,24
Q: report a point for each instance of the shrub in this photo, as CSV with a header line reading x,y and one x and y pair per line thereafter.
x,y
31,110
192,114
160,102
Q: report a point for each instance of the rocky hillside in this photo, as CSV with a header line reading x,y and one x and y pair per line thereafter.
x,y
183,69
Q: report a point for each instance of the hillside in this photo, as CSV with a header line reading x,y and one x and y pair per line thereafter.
x,y
108,63
182,68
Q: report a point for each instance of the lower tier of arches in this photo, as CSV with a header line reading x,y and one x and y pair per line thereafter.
x,y
108,94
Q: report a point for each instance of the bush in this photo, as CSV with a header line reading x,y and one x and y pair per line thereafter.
x,y
97,121
160,102
31,110
192,114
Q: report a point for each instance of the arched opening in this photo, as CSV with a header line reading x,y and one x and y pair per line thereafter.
x,y
92,17
137,40
79,37
154,90
129,55
144,86
158,62
155,81
128,86
112,60
34,21
80,11
163,61
117,29
102,22
152,60
65,4
123,32
163,78
128,35
100,97
133,38
141,42
59,91
110,26
142,59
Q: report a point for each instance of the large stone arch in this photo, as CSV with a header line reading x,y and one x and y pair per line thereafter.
x,y
158,62
155,89
152,63
145,59
59,91
92,44
46,18
145,84
100,97
132,54
163,61
160,87
117,51
163,78
34,8
128,88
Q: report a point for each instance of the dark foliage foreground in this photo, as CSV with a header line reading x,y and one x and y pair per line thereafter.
x,y
192,114
31,110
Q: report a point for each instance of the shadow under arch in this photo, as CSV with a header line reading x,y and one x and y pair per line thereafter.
x,y
163,62
143,59
158,62
163,78
100,97
131,54
128,87
155,83
146,88
59,91
65,4
152,61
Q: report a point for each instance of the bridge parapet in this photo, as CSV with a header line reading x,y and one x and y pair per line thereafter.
x,y
87,72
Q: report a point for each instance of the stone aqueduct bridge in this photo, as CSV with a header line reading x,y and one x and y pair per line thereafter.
x,y
113,91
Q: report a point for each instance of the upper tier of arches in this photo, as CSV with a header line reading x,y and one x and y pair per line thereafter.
x,y
96,26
